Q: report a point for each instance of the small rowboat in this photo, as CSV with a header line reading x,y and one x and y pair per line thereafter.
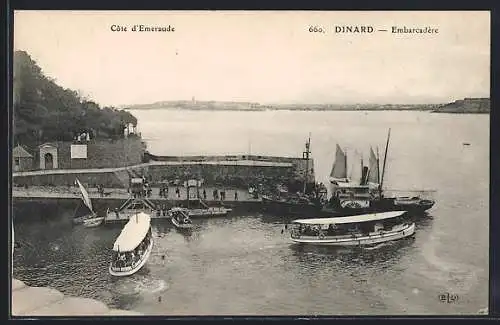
x,y
180,218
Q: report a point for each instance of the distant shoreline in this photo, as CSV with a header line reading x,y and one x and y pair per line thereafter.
x,y
465,106
311,110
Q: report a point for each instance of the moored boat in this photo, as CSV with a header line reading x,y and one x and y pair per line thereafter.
x,y
366,194
133,246
180,218
199,209
359,230
306,201
92,219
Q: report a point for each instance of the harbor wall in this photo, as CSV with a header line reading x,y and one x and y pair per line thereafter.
x,y
234,171
108,179
100,154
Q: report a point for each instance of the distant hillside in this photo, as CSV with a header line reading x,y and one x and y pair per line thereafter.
x,y
248,106
466,105
200,105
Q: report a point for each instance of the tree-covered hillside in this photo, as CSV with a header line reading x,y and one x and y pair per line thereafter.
x,y
45,111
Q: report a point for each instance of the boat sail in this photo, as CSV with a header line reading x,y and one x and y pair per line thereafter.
x,y
356,174
369,194
339,169
93,220
373,169
85,196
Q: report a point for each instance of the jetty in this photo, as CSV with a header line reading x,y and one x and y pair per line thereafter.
x,y
42,301
115,197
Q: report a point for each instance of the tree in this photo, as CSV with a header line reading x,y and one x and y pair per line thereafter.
x,y
45,111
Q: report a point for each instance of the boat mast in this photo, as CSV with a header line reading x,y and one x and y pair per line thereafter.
x,y
385,160
378,167
345,158
362,181
305,155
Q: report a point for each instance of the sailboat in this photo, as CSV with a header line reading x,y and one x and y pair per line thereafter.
x,y
366,195
92,220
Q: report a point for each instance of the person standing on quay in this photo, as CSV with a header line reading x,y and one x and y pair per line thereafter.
x,y
236,195
204,194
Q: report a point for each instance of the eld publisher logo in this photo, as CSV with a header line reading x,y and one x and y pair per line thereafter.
x,y
448,298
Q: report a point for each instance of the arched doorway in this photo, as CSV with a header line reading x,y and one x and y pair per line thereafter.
x,y
49,161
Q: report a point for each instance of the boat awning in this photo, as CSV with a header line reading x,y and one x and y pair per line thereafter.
x,y
351,219
133,233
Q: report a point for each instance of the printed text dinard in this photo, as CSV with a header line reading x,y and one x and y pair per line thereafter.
x,y
142,28
368,29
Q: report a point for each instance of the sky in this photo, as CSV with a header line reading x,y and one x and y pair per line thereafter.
x,y
265,57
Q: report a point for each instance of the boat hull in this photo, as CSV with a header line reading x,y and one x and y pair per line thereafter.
x,y
287,208
181,225
208,212
93,222
81,219
133,269
379,206
362,240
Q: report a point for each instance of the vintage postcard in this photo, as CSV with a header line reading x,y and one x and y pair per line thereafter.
x,y
190,163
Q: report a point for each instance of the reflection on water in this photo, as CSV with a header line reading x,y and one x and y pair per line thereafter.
x,y
234,265
248,265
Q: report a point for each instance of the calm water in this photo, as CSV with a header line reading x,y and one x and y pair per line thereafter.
x,y
244,265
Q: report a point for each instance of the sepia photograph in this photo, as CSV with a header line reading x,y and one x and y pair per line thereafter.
x,y
250,163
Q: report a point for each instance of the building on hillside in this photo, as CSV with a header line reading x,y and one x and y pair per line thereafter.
x,y
48,158
22,160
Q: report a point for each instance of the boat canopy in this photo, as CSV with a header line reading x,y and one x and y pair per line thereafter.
x,y
133,233
351,219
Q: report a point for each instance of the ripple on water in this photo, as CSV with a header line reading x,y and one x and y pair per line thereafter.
x,y
138,284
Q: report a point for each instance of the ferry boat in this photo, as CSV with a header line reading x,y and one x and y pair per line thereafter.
x,y
366,194
360,230
133,246
92,219
180,218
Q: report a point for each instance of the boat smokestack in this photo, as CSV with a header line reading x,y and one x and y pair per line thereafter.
x,y
364,175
